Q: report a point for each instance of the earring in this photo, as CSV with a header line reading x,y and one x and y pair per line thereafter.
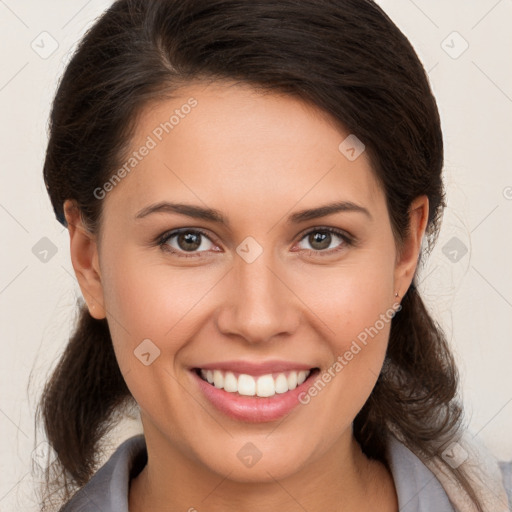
x,y
396,294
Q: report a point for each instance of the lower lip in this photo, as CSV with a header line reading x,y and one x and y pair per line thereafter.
x,y
252,408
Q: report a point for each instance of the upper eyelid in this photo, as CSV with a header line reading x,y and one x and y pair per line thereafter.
x,y
174,232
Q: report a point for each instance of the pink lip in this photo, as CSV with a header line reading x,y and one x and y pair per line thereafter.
x,y
253,409
256,369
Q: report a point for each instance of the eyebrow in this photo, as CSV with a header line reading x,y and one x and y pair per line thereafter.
x,y
212,215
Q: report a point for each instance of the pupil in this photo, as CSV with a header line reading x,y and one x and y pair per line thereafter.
x,y
192,239
324,238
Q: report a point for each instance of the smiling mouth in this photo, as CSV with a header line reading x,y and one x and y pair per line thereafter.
x,y
260,386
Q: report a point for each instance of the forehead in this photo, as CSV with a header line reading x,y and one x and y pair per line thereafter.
x,y
230,143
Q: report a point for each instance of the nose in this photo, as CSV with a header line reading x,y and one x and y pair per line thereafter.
x,y
260,303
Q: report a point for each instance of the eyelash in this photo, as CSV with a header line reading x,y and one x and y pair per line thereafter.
x,y
348,241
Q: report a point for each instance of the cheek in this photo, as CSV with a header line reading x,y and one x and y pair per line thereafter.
x,y
155,302
151,299
348,298
141,311
356,306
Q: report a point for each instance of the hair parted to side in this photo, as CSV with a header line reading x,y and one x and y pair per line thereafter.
x,y
347,58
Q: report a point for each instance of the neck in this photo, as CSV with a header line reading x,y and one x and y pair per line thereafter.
x,y
341,479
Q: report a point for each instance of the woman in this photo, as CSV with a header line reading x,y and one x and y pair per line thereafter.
x,y
285,360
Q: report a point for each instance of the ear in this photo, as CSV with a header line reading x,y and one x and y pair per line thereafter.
x,y
85,261
407,257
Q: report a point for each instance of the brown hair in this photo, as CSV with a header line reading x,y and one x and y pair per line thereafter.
x,y
345,57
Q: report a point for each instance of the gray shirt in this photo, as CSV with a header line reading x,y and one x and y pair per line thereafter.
x,y
417,488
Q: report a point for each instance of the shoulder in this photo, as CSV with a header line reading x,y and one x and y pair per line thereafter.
x,y
419,480
417,487
107,490
490,478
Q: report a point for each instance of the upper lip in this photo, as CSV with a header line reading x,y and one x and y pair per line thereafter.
x,y
253,368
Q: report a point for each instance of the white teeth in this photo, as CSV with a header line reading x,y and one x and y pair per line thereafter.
x,y
281,383
301,377
262,386
230,383
218,379
265,386
292,380
246,385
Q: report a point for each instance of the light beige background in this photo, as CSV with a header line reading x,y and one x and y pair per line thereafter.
x,y
470,297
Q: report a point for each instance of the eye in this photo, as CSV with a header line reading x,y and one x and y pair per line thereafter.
x,y
185,240
195,241
320,239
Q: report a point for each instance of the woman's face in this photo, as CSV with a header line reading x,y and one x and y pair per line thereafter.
x,y
277,288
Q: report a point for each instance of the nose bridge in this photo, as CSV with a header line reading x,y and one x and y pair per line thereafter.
x,y
260,305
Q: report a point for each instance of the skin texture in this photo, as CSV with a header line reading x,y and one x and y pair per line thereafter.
x,y
257,159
